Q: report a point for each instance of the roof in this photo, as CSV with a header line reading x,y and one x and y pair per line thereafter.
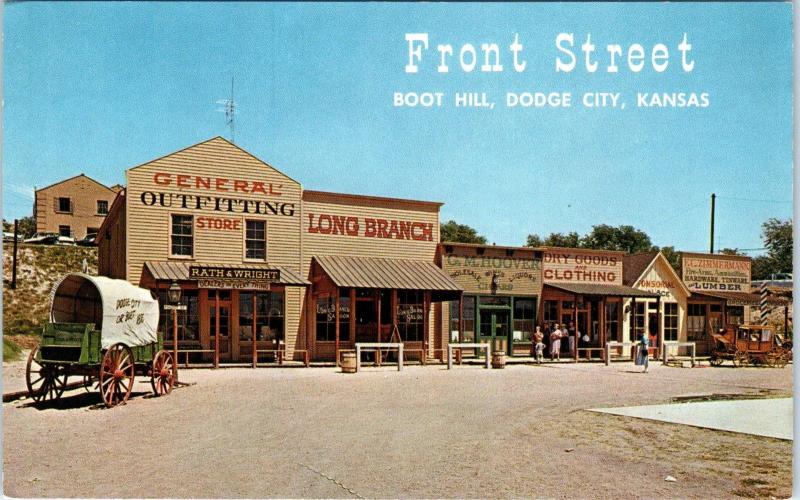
x,y
742,298
179,271
633,266
608,290
367,272
73,178
580,250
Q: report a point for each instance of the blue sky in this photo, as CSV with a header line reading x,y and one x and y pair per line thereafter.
x,y
99,88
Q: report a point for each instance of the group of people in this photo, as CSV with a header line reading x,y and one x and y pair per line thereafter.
x,y
554,334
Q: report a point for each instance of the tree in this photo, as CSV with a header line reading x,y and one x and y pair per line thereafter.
x,y
623,238
569,240
673,257
459,233
534,241
27,226
762,268
731,251
777,236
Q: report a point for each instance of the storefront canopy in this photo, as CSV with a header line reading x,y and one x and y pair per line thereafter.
x,y
607,290
179,271
401,274
121,311
742,298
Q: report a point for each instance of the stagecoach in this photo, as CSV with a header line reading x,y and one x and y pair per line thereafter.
x,y
103,330
751,344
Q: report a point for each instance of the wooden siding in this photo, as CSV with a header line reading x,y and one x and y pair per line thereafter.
x,y
661,279
472,268
569,265
111,242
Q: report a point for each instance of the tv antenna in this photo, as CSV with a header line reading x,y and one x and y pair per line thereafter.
x,y
229,108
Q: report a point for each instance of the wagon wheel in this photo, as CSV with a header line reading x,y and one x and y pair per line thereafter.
x,y
116,375
781,360
162,377
740,359
773,358
44,381
715,360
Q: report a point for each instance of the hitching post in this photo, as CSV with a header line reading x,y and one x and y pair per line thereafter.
x,y
174,305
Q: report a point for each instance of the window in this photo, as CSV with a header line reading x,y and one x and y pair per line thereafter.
x,y
612,321
188,320
64,231
670,321
550,312
469,320
102,207
410,315
326,317
735,315
696,321
64,205
182,240
255,240
92,230
269,316
638,320
524,315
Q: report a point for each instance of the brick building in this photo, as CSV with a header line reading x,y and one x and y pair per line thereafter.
x,y
73,207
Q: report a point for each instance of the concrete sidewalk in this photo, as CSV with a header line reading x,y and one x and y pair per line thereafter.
x,y
760,417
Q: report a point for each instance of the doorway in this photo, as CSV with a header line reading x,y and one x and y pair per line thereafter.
x,y
495,327
224,327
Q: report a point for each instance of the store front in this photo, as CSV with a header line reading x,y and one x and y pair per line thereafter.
x,y
584,290
652,272
501,294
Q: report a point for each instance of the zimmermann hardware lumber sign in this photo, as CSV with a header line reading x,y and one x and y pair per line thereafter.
x,y
239,278
725,274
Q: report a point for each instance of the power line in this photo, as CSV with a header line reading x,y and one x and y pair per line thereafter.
x,y
751,199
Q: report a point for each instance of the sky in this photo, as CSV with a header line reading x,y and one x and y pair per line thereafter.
x,y
98,88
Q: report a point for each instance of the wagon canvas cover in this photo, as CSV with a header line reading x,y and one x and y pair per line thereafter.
x,y
121,311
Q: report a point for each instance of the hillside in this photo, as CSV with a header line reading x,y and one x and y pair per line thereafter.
x,y
39,267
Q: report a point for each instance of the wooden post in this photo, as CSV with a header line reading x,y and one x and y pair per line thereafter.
x,y
216,329
575,324
659,331
255,346
352,315
632,320
460,319
175,343
337,324
378,351
426,306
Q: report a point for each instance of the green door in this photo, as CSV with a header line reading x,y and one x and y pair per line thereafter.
x,y
496,327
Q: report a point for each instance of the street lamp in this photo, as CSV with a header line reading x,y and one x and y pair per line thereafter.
x,y
174,305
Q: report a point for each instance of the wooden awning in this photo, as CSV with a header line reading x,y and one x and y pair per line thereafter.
x,y
607,290
400,274
742,298
179,271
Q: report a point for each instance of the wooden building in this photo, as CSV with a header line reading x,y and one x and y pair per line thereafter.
x,y
502,286
652,272
73,207
268,267
585,288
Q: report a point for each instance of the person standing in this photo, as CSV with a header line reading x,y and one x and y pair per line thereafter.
x,y
571,331
642,358
538,344
555,343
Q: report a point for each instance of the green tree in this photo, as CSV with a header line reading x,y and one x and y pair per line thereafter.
x,y
731,251
762,267
777,236
459,233
27,226
569,240
534,241
673,257
623,238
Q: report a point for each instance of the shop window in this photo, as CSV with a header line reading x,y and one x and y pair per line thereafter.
x,y
188,320
670,321
696,321
638,320
326,317
182,241
269,316
469,320
255,240
411,315
550,312
102,207
64,205
65,231
612,321
524,319
735,315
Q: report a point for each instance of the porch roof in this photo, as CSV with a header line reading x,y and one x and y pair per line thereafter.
x,y
179,271
598,289
742,298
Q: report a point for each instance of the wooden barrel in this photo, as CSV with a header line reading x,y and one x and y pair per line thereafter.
x,y
348,362
498,359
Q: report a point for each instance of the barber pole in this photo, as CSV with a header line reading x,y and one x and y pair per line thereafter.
x,y
762,304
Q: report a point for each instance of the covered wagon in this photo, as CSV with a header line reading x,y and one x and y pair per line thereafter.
x,y
104,330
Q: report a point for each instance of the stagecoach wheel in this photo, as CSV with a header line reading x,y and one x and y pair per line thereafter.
x,y
781,360
44,381
715,360
116,375
740,358
162,378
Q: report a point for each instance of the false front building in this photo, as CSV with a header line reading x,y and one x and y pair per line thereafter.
x,y
266,267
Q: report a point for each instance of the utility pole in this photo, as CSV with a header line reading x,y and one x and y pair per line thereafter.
x,y
713,203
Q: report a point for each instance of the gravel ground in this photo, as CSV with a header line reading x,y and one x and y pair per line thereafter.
x,y
423,432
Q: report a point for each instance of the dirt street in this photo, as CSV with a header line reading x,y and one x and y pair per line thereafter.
x,y
423,432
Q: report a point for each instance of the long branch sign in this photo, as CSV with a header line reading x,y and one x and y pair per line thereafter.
x,y
716,273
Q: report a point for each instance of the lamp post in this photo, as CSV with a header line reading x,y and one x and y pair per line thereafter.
x,y
174,305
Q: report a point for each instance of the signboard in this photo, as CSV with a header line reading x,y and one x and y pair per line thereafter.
x,y
721,273
573,266
234,274
495,274
233,284
369,227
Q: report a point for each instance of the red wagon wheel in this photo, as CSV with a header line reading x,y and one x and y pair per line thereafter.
x,y
116,375
44,381
162,378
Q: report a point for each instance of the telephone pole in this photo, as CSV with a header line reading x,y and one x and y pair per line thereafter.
x,y
713,203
